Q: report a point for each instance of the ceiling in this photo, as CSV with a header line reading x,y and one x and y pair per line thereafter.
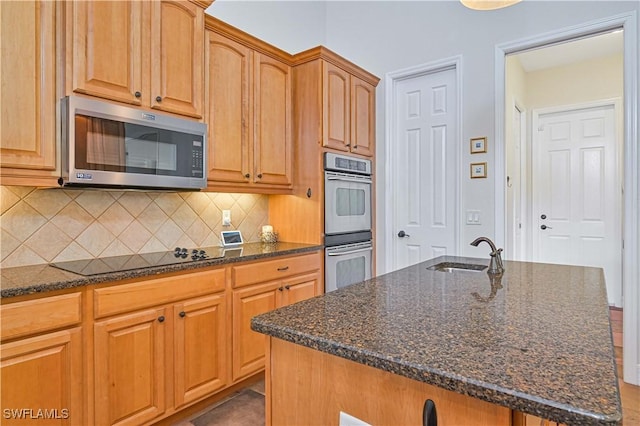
x,y
571,52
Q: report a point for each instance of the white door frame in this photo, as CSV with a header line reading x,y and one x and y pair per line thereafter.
x,y
391,79
631,234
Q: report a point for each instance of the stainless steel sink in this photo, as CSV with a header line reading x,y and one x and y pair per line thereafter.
x,y
456,267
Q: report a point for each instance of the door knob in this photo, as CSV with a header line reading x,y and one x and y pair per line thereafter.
x,y
544,216
543,227
402,234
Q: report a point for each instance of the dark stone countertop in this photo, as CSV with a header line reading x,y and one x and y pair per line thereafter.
x,y
25,280
538,340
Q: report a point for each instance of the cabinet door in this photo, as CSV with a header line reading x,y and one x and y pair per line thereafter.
x,y
107,49
200,351
229,110
336,92
272,121
363,117
249,346
28,95
130,367
300,288
43,372
177,57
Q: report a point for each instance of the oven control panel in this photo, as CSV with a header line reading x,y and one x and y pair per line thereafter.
x,y
345,163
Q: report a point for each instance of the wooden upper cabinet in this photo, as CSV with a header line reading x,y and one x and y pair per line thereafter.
x,y
348,116
336,92
177,57
142,53
28,77
272,137
107,49
229,110
249,116
363,117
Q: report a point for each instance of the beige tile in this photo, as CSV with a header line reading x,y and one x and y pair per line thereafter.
x,y
198,231
73,193
48,202
135,236
48,241
8,199
8,243
224,201
22,221
21,191
73,251
185,241
198,201
95,202
154,245
73,219
237,215
116,218
168,234
184,216
152,217
116,248
169,202
211,216
247,202
95,239
22,256
212,239
134,202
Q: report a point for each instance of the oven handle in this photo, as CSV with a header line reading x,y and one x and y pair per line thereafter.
x,y
349,179
340,253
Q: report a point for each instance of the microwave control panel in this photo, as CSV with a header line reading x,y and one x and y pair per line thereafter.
x,y
345,163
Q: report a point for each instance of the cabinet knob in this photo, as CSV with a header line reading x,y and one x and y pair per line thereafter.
x,y
280,289
161,318
247,175
158,98
287,287
284,268
182,314
347,145
355,147
137,94
259,175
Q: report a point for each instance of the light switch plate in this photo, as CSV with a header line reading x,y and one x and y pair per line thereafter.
x,y
473,217
226,217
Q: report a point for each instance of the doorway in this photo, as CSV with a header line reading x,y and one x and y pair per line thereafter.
x,y
629,159
423,112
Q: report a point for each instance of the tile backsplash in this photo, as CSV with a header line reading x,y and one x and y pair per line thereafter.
x,y
53,225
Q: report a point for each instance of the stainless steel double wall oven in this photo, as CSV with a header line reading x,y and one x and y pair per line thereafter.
x,y
347,220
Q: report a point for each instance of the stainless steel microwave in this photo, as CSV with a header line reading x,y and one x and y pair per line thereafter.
x,y
106,144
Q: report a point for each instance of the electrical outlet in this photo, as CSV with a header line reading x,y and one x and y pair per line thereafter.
x,y
226,217
349,420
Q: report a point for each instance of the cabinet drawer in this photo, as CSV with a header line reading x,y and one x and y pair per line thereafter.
x,y
128,297
35,316
274,269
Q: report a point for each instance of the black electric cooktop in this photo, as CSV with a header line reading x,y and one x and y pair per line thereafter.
x,y
105,265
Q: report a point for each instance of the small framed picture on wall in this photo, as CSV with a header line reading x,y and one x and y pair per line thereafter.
x,y
478,170
478,145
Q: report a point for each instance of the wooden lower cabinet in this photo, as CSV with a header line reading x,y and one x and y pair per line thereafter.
x,y
42,379
249,346
200,348
130,367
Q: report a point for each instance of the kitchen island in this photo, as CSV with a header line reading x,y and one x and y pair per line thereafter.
x,y
486,349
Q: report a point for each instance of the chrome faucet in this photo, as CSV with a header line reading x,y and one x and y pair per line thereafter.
x,y
495,266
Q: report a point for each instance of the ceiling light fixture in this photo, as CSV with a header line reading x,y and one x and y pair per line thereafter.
x,y
488,4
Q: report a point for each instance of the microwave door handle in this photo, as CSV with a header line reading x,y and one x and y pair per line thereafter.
x,y
347,179
341,253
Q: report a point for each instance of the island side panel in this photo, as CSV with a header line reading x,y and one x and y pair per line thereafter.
x,y
305,386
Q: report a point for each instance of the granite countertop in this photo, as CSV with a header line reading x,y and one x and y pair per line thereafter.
x,y
537,339
25,280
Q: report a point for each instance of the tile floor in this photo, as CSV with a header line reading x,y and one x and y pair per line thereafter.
x,y
246,407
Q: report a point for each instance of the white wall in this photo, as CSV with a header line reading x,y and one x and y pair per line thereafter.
x,y
384,36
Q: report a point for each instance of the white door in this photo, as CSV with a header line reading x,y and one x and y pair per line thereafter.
x,y
577,194
423,168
